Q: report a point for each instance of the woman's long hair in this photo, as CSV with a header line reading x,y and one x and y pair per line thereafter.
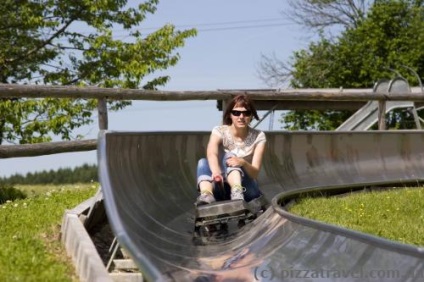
x,y
239,101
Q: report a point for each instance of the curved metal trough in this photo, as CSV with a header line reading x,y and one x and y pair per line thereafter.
x,y
148,182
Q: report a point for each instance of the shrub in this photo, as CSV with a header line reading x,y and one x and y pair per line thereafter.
x,y
9,193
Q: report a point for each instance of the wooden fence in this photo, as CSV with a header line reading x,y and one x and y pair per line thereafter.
x,y
295,97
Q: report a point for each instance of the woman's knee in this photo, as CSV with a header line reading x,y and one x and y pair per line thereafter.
x,y
203,163
229,155
225,157
203,167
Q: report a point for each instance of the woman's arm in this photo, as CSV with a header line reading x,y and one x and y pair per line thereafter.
x,y
252,169
212,154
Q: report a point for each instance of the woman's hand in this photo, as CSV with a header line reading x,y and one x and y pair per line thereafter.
x,y
217,178
235,162
216,175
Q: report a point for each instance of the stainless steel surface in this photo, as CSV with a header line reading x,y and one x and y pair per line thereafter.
x,y
148,181
367,116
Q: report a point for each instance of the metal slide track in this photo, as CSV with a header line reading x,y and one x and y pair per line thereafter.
x,y
148,182
367,116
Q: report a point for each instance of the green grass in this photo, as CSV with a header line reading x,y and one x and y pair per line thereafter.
x,y
31,249
396,214
29,234
34,190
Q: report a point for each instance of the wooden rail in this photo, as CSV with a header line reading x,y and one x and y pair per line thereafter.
x,y
37,91
48,148
8,91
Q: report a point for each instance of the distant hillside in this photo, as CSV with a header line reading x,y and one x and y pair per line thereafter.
x,y
82,174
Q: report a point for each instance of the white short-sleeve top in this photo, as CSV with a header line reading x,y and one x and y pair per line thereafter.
x,y
242,149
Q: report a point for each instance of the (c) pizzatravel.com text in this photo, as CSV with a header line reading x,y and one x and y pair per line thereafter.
x,y
273,273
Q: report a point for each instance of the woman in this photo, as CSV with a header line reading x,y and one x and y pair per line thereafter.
x,y
232,174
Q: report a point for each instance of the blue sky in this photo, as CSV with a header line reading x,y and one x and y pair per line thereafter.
x,y
233,34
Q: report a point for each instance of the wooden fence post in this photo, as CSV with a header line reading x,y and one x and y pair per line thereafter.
x,y
102,112
381,115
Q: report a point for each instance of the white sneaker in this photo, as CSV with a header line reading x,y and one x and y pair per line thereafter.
x,y
237,192
205,198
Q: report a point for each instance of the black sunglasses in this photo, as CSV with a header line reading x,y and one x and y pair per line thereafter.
x,y
238,113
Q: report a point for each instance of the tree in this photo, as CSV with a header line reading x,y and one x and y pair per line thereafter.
x,y
320,15
74,42
82,174
391,36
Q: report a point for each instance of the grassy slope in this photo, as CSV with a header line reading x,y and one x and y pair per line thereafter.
x,y
29,233
31,250
395,214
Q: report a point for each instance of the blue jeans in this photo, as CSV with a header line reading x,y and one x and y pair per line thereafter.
x,y
204,173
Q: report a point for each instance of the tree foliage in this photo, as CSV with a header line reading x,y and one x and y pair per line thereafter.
x,y
82,174
74,42
389,37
